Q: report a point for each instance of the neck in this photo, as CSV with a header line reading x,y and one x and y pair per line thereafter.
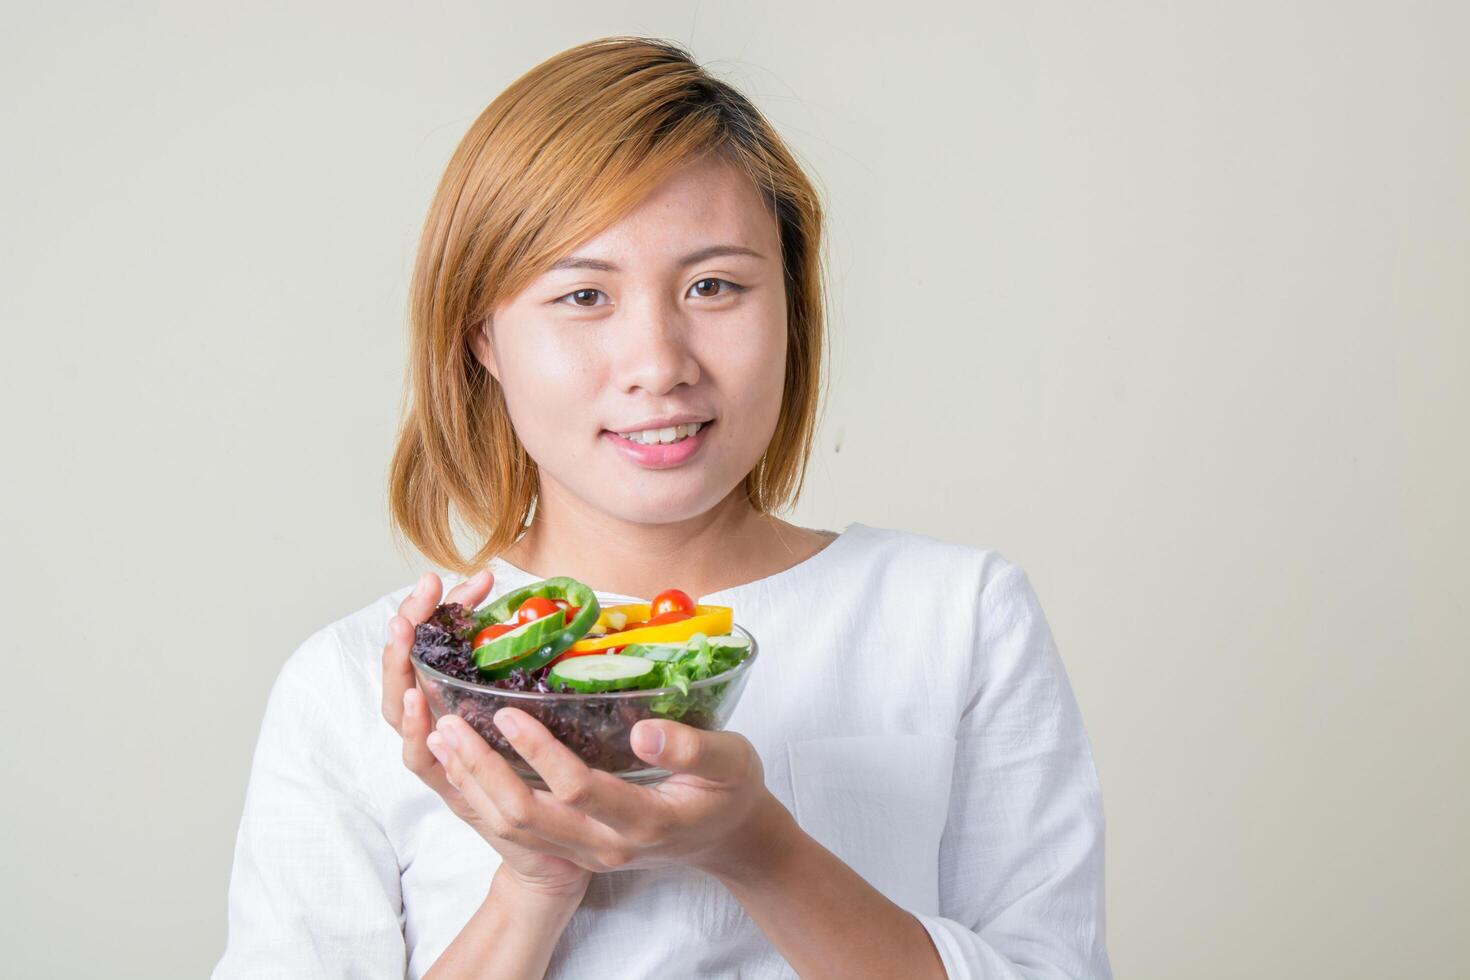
x,y
728,545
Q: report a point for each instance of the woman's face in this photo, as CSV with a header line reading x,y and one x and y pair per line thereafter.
x,y
658,320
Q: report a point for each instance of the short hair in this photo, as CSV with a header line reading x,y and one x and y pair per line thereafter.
x,y
565,151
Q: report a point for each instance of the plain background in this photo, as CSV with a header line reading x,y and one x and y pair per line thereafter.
x,y
1168,303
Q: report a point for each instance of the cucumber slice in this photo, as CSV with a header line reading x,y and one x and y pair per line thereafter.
x,y
524,639
665,652
531,660
561,587
654,651
605,672
732,641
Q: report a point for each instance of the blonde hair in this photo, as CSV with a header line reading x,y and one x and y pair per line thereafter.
x,y
565,151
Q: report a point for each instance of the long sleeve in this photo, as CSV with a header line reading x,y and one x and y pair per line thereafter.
x,y
1021,859
315,888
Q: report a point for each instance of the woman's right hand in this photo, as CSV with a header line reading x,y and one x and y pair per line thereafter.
x,y
533,862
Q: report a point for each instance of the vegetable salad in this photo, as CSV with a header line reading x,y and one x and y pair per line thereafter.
x,y
553,636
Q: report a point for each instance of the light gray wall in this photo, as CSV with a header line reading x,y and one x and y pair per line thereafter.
x,y
1166,302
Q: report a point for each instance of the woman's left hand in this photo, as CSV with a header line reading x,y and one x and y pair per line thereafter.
x,y
713,813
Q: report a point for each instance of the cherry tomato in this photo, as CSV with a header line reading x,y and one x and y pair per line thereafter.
x,y
673,616
581,653
670,600
534,608
489,633
562,603
571,611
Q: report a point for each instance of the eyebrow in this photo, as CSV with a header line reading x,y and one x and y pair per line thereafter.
x,y
583,262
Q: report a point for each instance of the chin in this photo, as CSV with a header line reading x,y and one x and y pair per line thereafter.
x,y
654,501
668,508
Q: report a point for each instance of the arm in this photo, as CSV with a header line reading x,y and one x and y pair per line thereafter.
x,y
714,814
315,887
516,927
532,896
822,916
1021,882
1021,861
314,890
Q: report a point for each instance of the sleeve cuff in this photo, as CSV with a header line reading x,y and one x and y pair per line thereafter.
x,y
964,954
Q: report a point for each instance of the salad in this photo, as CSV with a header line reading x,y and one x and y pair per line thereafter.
x,y
553,637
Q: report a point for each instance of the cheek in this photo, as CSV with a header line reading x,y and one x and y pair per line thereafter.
x,y
545,389
532,358
750,361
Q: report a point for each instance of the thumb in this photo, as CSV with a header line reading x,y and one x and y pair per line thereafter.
x,y
717,756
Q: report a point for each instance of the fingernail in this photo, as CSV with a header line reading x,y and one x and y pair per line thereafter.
x,y
407,704
422,586
506,723
446,735
650,740
436,745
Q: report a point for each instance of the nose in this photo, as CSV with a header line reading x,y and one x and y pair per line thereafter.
x,y
653,352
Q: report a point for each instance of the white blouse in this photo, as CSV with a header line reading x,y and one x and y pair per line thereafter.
x,y
909,707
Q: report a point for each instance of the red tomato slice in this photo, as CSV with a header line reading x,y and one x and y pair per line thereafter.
x,y
489,633
581,653
670,600
571,611
534,608
672,616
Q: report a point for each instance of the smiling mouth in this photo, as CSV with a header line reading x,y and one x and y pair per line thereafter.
x,y
666,436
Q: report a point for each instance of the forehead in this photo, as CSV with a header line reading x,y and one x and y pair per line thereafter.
x,y
708,201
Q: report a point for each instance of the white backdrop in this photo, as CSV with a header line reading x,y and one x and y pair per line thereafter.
x,y
1168,303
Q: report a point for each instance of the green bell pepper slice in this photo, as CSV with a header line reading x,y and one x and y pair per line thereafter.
x,y
536,643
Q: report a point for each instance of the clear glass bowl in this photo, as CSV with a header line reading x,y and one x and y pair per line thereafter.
x,y
596,727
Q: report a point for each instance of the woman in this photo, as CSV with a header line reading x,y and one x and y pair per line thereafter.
x,y
621,248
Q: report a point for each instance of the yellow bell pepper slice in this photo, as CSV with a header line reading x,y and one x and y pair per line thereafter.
x,y
631,613
709,620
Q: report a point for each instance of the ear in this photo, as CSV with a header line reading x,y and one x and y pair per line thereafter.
x,y
482,344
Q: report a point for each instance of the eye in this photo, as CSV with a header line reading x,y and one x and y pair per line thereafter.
x,y
708,288
579,295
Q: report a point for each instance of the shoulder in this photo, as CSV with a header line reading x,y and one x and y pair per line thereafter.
x,y
998,636
986,598
361,633
343,658
961,611
958,571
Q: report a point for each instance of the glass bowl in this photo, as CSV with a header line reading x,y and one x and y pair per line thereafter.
x,y
596,727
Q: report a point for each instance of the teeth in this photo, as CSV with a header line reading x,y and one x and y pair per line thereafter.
x,y
654,437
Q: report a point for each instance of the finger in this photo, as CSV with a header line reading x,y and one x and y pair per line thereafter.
x,y
397,670
417,607
598,794
483,812
720,757
417,725
482,774
420,760
419,603
473,590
